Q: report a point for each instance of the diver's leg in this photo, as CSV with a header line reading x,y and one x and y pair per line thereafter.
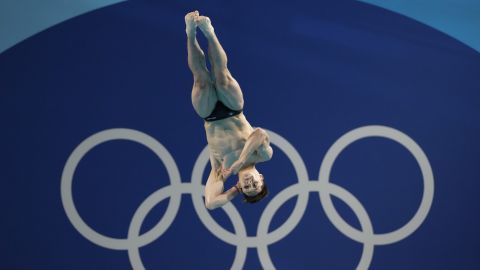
x,y
204,95
228,89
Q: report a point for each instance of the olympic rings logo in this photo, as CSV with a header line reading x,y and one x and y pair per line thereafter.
x,y
263,239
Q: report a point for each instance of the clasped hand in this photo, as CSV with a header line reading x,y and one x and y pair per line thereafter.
x,y
227,172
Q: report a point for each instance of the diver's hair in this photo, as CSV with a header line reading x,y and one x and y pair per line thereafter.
x,y
258,197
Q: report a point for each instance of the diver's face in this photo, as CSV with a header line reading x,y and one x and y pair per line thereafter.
x,y
251,183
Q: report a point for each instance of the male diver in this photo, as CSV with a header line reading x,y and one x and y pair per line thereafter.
x,y
235,146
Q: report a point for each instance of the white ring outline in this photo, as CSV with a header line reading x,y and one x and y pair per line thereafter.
x,y
420,157
67,179
244,240
337,191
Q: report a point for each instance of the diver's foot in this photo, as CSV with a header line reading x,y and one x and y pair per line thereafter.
x,y
191,22
205,25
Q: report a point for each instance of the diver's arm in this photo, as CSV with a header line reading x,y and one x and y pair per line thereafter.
x,y
221,199
214,195
257,149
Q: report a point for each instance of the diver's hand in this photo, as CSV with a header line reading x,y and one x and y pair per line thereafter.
x,y
226,173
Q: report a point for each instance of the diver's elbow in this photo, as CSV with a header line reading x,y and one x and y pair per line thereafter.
x,y
210,205
268,154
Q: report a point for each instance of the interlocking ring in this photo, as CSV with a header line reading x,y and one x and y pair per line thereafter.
x,y
240,239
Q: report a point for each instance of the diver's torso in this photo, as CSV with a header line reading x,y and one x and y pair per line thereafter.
x,y
226,138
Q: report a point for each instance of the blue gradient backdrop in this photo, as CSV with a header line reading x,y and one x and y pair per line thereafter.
x,y
310,71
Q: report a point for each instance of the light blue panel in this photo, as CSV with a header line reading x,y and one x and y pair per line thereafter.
x,y
20,19
457,18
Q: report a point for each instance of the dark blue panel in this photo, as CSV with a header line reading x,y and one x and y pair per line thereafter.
x,y
310,71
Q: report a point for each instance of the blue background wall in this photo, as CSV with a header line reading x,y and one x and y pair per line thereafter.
x,y
311,72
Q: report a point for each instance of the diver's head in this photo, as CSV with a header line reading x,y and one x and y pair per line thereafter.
x,y
251,184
